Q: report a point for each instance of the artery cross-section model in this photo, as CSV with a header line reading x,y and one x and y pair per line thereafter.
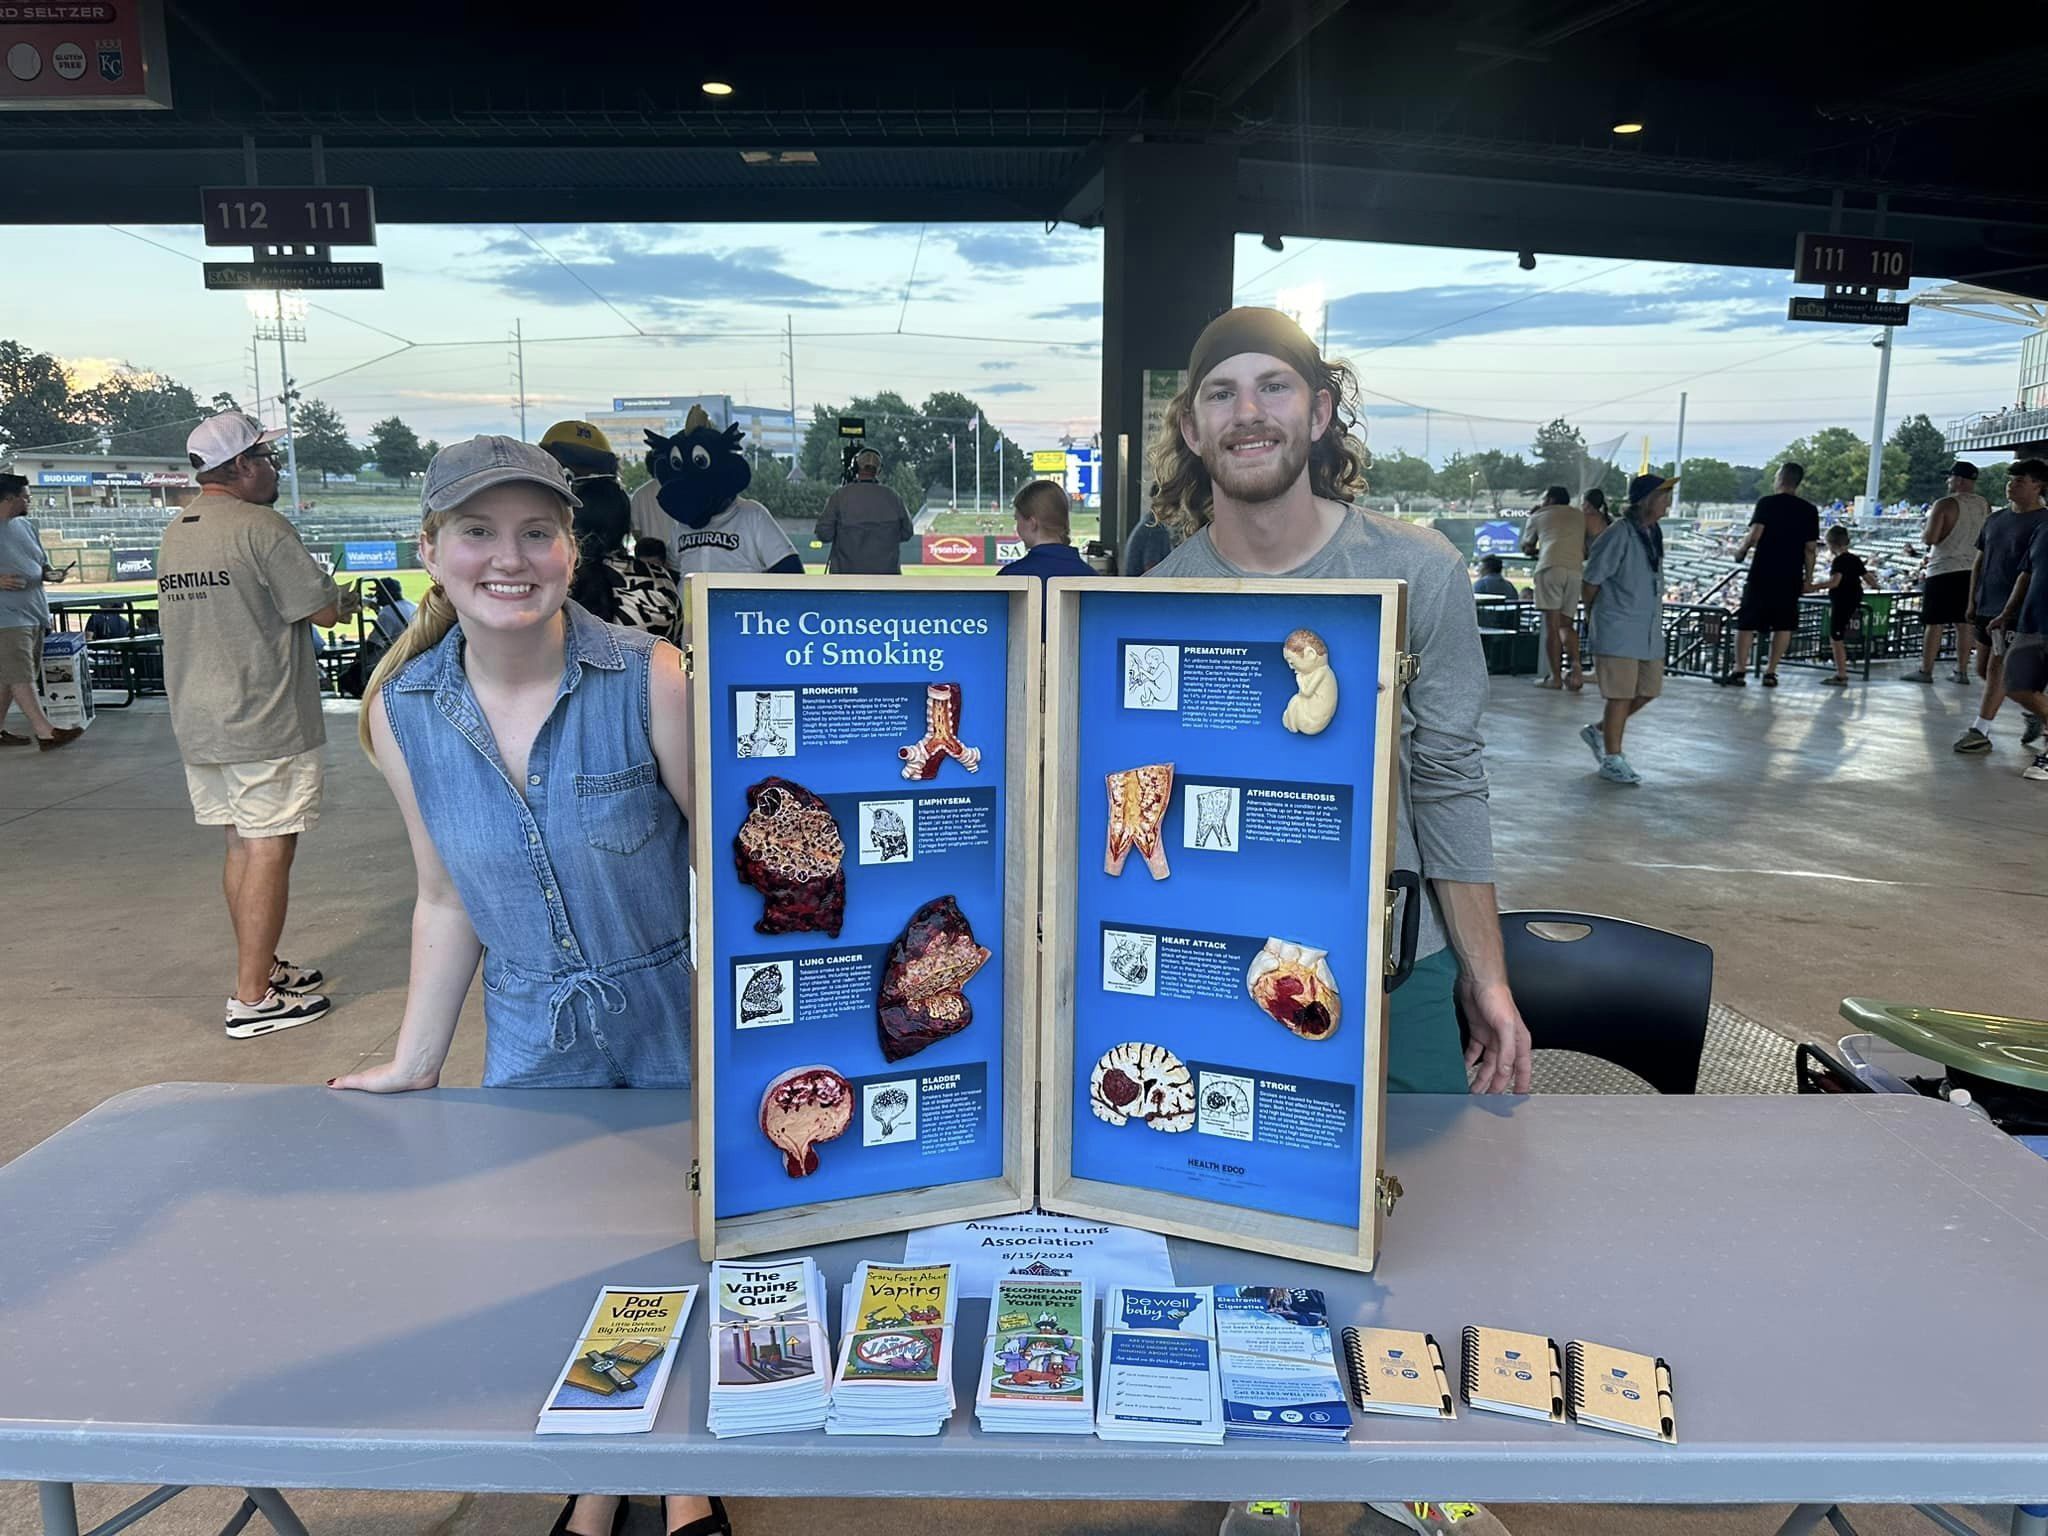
x,y
941,737
802,1107
1138,798
789,849
921,999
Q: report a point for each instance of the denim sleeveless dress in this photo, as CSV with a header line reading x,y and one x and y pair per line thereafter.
x,y
576,879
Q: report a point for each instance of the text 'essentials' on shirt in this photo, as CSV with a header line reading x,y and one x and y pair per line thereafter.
x,y
1627,616
1790,523
234,590
2003,542
865,523
1443,829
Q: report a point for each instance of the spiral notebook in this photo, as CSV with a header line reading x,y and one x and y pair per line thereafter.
x,y
1392,1370
1517,1373
1621,1391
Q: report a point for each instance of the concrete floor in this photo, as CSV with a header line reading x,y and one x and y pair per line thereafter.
x,y
1824,842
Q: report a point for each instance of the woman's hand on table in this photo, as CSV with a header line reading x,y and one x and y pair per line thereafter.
x,y
389,1077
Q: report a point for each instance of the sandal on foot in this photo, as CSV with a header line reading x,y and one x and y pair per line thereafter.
x,y
9,739
713,1524
561,1526
1770,679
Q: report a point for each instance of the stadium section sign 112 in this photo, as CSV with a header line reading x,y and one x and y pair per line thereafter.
x,y
82,55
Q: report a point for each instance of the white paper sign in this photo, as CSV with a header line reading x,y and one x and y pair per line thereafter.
x,y
1063,1246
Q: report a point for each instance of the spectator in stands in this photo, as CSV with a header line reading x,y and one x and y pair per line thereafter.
x,y
1951,540
572,891
1257,469
394,610
865,522
2024,618
2001,547
1042,512
1624,595
1784,532
237,591
1598,518
1844,588
24,616
108,622
1556,536
1150,542
1492,583
614,586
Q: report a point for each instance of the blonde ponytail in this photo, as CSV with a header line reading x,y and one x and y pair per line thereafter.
x,y
430,624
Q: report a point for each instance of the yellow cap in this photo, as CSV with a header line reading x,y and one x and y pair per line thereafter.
x,y
581,447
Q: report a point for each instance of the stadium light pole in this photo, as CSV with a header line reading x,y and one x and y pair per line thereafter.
x,y
285,318
954,439
1884,381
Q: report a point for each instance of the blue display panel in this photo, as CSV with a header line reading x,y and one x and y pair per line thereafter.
x,y
833,691
1266,834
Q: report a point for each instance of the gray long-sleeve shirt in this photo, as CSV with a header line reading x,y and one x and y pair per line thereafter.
x,y
865,523
1443,828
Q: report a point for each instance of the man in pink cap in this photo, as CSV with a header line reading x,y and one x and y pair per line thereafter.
x,y
237,593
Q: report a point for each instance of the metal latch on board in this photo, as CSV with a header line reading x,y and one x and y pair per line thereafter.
x,y
696,1180
1389,1188
689,661
1406,665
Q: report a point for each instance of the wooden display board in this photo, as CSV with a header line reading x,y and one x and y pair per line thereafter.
x,y
1222,1121
830,684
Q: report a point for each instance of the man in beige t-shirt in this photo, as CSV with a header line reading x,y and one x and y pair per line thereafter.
x,y
236,594
1557,537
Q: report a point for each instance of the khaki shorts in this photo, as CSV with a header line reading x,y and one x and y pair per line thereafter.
x,y
18,646
1558,589
266,799
1624,677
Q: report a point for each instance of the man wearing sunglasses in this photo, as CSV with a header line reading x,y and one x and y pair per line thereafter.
x,y
237,593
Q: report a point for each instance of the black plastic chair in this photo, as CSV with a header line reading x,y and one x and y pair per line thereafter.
x,y
1626,993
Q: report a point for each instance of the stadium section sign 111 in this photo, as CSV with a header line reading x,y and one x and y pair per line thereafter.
x,y
82,55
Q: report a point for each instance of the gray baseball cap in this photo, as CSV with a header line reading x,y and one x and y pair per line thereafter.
x,y
460,470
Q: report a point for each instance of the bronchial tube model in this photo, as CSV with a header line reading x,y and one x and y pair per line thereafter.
x,y
941,738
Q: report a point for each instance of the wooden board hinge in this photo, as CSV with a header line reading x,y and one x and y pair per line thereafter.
x,y
689,661
1406,665
696,1178
1390,1191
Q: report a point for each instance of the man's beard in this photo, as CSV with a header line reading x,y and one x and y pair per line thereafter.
x,y
276,491
1253,484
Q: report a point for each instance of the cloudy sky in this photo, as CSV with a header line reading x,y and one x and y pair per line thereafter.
x,y
1459,349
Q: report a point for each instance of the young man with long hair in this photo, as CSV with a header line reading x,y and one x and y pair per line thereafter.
x,y
1257,467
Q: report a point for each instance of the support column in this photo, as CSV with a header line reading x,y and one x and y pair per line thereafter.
x,y
1168,215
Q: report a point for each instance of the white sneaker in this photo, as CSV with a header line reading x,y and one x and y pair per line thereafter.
x,y
1596,743
287,977
278,1010
1615,770
2039,770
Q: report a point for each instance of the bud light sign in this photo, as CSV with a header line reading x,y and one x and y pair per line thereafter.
x,y
370,557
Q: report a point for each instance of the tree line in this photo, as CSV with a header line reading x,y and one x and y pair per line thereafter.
x,y
148,415
1914,469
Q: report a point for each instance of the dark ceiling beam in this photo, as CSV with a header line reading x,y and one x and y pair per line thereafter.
x,y
1246,49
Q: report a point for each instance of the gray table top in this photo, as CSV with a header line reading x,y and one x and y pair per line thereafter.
x,y
289,1287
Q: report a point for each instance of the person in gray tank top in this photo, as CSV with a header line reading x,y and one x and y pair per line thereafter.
x,y
1951,539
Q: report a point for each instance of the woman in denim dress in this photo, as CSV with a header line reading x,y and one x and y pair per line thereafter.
x,y
542,762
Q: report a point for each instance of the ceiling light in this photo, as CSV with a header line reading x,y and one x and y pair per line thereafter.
x,y
1628,125
757,157
716,88
1273,243
799,157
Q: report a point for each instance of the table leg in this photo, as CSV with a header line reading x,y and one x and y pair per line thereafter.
x,y
280,1514
60,1508
2030,1520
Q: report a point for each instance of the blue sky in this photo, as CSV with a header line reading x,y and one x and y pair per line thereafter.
x,y
1458,349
